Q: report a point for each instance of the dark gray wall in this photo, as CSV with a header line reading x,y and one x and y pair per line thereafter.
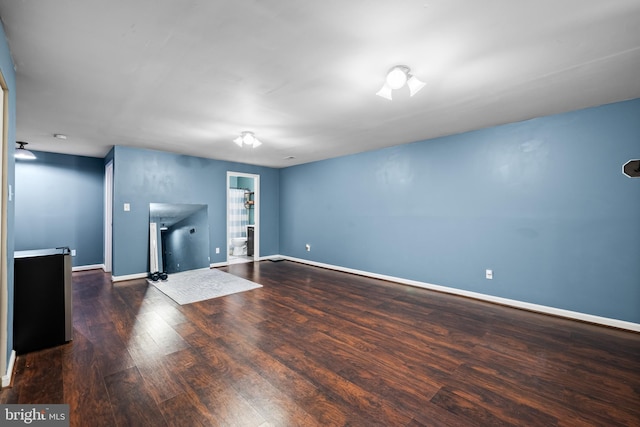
x,y
59,201
187,250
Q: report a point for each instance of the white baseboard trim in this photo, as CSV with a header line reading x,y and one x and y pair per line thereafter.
x,y
226,263
574,315
88,267
6,378
129,277
218,264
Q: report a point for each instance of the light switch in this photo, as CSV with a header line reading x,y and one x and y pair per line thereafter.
x,y
127,207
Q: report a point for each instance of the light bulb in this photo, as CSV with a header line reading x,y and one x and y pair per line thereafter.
x,y
385,92
396,78
414,85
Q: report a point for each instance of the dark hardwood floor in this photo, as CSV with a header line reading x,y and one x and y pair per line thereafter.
x,y
315,347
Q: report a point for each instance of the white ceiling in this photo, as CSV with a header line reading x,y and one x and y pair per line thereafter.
x,y
188,76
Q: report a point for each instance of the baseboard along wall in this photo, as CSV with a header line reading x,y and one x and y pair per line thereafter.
x,y
6,378
553,311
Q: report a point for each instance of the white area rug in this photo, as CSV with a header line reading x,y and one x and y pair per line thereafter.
x,y
199,285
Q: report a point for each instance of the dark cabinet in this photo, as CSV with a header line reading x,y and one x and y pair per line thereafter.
x,y
250,240
42,315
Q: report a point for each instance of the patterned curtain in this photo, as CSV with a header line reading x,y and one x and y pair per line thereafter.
x,y
238,214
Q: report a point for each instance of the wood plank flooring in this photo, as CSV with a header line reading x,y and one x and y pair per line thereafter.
x,y
315,347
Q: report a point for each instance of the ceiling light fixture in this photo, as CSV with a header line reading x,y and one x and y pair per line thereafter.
x,y
23,153
247,138
397,77
60,136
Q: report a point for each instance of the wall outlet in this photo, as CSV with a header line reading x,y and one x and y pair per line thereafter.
x,y
127,207
217,250
73,252
488,274
307,247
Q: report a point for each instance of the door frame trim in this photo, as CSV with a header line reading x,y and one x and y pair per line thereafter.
x,y
256,212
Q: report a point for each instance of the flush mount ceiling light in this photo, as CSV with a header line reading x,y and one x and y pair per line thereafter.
x,y
23,153
247,138
397,77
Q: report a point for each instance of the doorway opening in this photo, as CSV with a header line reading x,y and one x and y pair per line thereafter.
x,y
7,355
108,215
243,217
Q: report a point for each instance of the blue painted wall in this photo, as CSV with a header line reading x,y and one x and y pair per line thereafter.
x,y
59,201
543,203
147,176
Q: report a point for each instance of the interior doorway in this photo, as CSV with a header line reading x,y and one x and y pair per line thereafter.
x,y
7,355
243,217
108,215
